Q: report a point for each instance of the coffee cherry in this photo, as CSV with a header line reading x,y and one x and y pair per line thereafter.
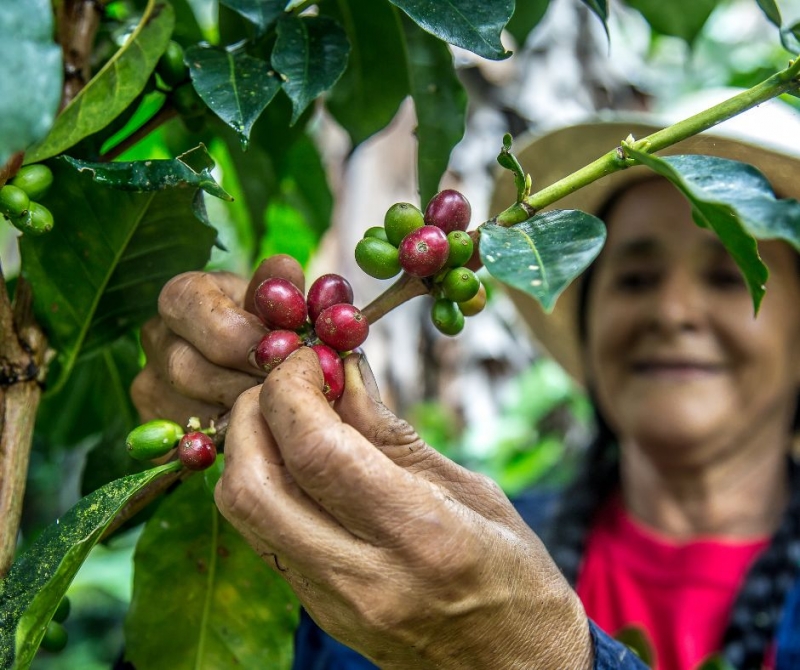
x,y
377,258
153,439
37,221
197,451
423,252
446,316
448,210
14,202
475,304
400,219
187,102
332,371
327,290
171,67
280,304
274,347
62,611
34,180
376,231
461,247
55,637
460,284
342,327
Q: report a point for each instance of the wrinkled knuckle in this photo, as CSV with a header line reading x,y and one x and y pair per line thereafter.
x,y
174,290
178,364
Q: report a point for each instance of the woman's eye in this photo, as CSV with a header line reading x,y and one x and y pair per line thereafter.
x,y
726,279
634,280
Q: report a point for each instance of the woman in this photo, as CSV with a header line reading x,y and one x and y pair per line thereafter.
x,y
417,563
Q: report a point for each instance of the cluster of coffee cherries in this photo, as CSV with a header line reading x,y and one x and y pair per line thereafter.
x,y
325,320
433,246
195,447
18,200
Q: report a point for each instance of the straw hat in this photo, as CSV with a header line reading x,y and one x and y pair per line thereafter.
x,y
753,137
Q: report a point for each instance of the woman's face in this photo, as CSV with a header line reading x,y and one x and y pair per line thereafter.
x,y
675,355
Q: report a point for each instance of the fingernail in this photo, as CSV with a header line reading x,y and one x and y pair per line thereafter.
x,y
370,384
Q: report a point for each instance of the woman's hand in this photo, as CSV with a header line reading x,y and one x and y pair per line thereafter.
x,y
197,346
393,549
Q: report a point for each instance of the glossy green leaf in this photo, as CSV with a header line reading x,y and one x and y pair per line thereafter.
x,y
311,54
440,103
636,639
99,271
790,39
261,13
715,663
527,15
600,8
735,201
114,87
771,11
367,96
235,86
234,610
542,255
679,18
31,592
30,86
474,25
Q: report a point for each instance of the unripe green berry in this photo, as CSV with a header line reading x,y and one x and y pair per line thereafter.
x,y
187,102
378,232
171,67
460,284
377,258
62,611
14,202
475,304
55,637
447,317
34,180
37,221
153,439
461,247
401,218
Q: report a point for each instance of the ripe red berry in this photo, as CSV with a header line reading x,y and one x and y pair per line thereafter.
x,y
332,371
448,210
424,251
342,327
327,290
197,451
280,304
274,347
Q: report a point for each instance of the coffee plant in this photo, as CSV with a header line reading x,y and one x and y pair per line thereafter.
x,y
113,117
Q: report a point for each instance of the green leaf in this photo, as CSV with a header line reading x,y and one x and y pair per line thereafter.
x,y
715,663
542,255
34,586
474,25
99,271
527,15
736,201
636,639
600,8
261,13
235,86
234,610
368,94
441,105
114,87
771,11
30,88
311,54
679,18
790,39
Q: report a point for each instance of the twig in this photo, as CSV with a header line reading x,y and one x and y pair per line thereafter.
x,y
78,21
163,115
401,291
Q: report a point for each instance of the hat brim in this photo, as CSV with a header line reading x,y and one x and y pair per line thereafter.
x,y
557,154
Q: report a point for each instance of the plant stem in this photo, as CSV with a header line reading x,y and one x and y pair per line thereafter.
x,y
78,21
616,159
401,291
163,115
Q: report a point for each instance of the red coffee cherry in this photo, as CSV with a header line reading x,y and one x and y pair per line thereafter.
x,y
280,304
342,327
424,251
274,347
327,290
332,371
448,210
197,451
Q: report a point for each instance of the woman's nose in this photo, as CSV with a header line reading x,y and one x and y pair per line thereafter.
x,y
677,304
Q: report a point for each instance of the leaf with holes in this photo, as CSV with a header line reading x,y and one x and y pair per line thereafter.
x,y
541,256
234,610
235,86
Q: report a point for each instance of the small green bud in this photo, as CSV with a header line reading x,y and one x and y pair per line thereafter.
x,y
377,258
461,247
34,180
153,439
447,317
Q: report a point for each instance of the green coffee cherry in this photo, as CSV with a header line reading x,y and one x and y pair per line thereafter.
x,y
34,180
401,218
376,231
153,439
460,284
461,246
62,611
187,102
14,202
55,637
171,67
37,221
446,316
475,304
377,258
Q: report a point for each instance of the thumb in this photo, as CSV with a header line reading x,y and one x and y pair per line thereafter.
x,y
280,265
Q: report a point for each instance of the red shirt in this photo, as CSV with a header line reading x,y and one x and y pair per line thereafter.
x,y
681,594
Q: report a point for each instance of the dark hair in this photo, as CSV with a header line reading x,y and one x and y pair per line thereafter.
x,y
757,608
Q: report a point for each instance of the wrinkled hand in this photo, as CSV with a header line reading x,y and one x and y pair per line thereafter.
x,y
197,346
393,549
